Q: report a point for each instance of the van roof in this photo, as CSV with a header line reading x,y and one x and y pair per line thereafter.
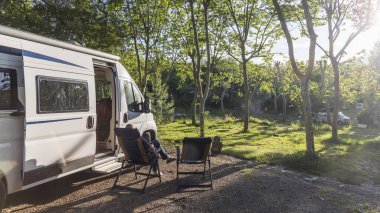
x,y
53,42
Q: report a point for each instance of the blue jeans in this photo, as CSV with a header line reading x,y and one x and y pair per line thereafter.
x,y
153,162
164,155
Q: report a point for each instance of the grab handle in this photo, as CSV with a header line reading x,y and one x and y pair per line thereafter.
x,y
90,122
125,118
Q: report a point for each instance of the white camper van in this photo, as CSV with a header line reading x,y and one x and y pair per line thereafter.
x,y
59,105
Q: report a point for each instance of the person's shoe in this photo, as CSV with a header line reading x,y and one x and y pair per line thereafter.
x,y
170,159
156,173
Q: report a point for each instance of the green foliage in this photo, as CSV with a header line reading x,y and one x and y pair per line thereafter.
x,y
103,90
90,23
164,40
162,103
370,117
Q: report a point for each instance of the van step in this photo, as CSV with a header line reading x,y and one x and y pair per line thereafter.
x,y
108,168
104,155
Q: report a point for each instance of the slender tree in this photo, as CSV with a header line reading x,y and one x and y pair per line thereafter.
x,y
252,32
146,19
202,93
279,86
304,77
337,14
323,68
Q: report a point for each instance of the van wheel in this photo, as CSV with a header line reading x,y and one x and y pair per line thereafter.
x,y
3,194
340,123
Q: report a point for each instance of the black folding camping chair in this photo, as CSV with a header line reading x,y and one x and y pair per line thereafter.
x,y
195,150
135,154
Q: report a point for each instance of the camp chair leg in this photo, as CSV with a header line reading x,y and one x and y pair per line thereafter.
x,y
209,168
159,173
134,166
118,175
177,179
147,178
204,170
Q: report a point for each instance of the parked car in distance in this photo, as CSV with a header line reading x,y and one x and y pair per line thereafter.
x,y
342,118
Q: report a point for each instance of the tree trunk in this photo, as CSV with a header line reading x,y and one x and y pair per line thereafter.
x,y
334,133
246,94
138,61
222,100
328,111
328,101
197,69
146,64
284,105
194,109
202,117
275,102
310,150
204,94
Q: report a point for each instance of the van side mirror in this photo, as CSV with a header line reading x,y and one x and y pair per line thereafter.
x,y
147,105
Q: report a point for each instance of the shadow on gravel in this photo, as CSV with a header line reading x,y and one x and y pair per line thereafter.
x,y
124,197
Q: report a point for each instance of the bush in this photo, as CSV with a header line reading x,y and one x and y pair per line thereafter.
x,y
370,117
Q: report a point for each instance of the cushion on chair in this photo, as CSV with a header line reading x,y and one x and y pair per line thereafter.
x,y
129,143
195,149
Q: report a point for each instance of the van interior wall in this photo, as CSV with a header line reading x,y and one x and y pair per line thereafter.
x,y
105,105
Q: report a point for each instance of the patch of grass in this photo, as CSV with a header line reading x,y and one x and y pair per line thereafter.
x,y
263,122
355,159
229,119
247,171
296,126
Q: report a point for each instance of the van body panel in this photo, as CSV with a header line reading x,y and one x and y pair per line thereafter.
x,y
53,58
140,119
9,42
63,137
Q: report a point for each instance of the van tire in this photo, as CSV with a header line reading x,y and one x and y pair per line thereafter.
x,y
3,195
340,123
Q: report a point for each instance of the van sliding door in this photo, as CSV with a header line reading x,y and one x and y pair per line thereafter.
x,y
60,114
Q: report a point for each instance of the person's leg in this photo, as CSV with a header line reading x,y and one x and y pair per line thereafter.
x,y
164,155
153,163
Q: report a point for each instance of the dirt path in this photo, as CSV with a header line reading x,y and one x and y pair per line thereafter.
x,y
239,186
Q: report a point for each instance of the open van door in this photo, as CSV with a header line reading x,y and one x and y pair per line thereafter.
x,y
132,102
60,112
11,116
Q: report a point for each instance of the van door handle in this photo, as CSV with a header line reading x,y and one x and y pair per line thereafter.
x,y
125,118
90,122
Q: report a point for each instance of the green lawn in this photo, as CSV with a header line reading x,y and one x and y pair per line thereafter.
x,y
356,159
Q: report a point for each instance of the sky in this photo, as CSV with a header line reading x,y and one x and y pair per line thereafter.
x,y
364,41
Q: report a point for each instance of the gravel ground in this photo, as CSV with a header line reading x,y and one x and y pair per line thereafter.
x,y
239,186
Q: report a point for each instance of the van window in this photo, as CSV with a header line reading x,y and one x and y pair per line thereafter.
x,y
62,95
134,97
8,89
